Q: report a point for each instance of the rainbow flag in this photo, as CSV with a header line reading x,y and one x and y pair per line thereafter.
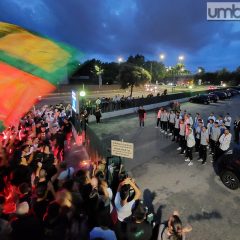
x,y
30,66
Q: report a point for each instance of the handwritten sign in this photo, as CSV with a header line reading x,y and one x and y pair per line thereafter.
x,y
122,149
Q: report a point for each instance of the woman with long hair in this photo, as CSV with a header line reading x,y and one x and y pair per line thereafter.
x,y
173,229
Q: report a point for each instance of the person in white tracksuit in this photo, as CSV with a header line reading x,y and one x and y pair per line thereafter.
x,y
225,141
190,144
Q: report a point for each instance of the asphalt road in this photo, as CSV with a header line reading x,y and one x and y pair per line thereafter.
x,y
167,183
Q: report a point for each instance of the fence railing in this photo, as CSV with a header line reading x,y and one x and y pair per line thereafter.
x,y
110,105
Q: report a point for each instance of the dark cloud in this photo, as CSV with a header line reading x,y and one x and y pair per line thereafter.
x,y
108,28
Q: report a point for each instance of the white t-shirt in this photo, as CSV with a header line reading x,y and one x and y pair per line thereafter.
x,y
123,211
225,141
227,121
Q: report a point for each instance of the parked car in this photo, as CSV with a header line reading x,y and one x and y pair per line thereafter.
x,y
204,98
228,168
213,97
229,94
233,91
221,95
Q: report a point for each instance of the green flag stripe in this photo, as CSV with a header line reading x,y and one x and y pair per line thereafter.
x,y
1,126
53,77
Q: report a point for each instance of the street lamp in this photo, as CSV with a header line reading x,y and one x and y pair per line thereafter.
x,y
181,58
162,57
120,59
82,93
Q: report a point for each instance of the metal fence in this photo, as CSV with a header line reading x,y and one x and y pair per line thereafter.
x,y
110,106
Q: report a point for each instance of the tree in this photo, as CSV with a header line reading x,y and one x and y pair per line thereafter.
x,y
156,69
223,75
88,69
111,71
131,76
137,60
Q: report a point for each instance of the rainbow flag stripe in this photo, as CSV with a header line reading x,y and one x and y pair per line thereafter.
x,y
30,66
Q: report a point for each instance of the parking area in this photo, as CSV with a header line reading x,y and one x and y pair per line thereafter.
x,y
167,182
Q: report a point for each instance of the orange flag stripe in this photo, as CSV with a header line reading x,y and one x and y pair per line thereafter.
x,y
18,92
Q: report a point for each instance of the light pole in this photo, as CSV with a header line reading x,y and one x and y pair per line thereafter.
x,y
120,60
199,79
82,94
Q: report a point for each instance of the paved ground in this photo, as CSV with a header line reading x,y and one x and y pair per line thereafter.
x,y
168,183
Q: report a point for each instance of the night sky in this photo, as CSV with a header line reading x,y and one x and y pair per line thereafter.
x,y
108,29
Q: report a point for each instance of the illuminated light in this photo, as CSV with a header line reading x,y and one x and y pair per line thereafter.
x,y
85,164
82,93
120,59
181,58
162,56
224,85
190,87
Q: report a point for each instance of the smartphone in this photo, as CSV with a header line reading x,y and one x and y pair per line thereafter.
x,y
150,218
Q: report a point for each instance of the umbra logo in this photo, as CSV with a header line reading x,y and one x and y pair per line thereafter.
x,y
223,11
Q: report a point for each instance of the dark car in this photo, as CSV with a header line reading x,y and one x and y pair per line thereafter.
x,y
213,97
229,94
221,95
233,91
228,168
200,99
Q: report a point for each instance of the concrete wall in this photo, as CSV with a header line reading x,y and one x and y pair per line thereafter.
x,y
134,110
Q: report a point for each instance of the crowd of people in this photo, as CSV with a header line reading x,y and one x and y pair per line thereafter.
x,y
43,197
195,133
118,102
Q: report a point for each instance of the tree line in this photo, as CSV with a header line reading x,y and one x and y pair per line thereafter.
x,y
136,70
231,78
